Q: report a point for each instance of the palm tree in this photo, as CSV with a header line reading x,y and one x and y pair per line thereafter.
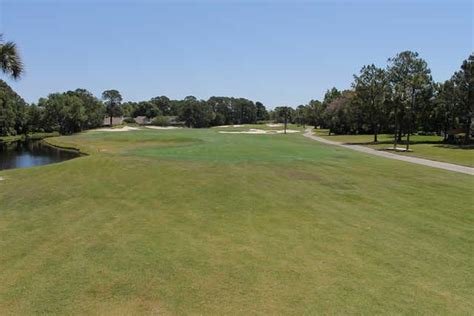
x,y
10,61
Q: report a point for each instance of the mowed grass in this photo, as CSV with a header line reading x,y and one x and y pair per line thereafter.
x,y
197,222
429,147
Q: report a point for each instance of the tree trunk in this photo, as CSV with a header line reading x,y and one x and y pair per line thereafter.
x,y
375,127
396,130
467,137
286,121
408,140
110,119
410,116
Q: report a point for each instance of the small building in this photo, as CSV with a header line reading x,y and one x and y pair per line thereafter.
x,y
115,120
143,120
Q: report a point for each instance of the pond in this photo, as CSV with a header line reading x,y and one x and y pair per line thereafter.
x,y
21,154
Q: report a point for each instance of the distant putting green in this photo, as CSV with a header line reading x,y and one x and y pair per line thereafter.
x,y
198,222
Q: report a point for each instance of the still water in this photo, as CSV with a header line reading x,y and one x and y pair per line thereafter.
x,y
23,154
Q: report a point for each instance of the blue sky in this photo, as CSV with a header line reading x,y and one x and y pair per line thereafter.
x,y
276,52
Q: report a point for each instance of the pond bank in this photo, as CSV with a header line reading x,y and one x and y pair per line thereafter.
x,y
31,136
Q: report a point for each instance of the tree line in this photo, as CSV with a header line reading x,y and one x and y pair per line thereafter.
x,y
78,110
400,99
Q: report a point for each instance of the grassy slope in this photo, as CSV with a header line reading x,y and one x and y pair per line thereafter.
x,y
195,221
430,147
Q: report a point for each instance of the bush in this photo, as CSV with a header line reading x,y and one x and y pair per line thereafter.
x,y
129,120
161,121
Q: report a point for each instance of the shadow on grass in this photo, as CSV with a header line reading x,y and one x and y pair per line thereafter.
x,y
452,146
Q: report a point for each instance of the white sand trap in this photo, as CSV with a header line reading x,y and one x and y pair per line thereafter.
x,y
123,129
162,127
261,131
2,178
225,126
275,125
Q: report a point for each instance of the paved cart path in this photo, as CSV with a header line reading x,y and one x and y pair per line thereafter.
x,y
420,161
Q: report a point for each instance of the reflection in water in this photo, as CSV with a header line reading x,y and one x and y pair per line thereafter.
x,y
23,154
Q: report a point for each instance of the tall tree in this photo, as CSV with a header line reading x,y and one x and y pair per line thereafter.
x,y
301,115
314,112
10,61
13,110
464,83
163,104
330,96
408,73
262,113
63,112
284,114
94,109
341,113
444,111
371,87
196,113
112,99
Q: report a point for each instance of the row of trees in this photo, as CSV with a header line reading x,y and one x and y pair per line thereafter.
x,y
200,113
77,110
74,111
400,99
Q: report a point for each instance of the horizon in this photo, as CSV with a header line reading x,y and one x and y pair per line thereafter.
x,y
278,54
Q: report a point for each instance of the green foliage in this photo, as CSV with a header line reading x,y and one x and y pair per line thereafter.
x,y
402,100
112,99
464,91
284,113
146,108
161,121
70,112
196,113
163,104
129,120
372,89
10,61
94,109
261,112
13,111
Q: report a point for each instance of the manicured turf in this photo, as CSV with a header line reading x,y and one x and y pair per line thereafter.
x,y
429,147
197,222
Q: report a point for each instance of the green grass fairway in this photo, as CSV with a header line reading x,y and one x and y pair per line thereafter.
x,y
196,222
429,147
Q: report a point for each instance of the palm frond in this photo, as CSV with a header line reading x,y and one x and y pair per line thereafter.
x,y
10,61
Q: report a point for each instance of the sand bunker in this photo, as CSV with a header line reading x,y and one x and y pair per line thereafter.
x,y
224,126
261,131
123,129
275,125
162,127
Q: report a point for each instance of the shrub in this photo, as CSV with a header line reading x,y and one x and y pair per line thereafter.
x,y
161,121
129,120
